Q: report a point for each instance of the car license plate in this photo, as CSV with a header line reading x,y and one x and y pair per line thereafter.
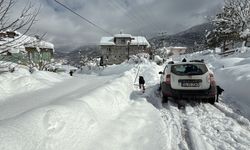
x,y
187,84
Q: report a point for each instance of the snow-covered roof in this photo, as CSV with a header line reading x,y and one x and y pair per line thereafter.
x,y
178,47
33,42
19,42
139,40
107,41
121,35
135,40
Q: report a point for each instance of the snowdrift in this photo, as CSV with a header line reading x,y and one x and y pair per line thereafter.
x,y
104,118
21,81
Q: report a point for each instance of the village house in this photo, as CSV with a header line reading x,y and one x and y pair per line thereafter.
x,y
23,49
118,48
177,50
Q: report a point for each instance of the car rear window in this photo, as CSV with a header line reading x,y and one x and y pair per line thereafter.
x,y
189,69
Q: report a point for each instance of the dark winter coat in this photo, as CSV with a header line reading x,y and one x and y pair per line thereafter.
x,y
219,90
141,80
71,73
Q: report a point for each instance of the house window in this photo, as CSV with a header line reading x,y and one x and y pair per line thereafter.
x,y
109,49
123,41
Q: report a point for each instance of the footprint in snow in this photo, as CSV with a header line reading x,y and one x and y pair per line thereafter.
x,y
53,125
53,122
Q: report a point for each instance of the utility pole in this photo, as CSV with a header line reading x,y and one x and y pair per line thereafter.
x,y
128,48
162,34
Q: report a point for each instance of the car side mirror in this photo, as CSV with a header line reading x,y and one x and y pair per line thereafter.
x,y
160,72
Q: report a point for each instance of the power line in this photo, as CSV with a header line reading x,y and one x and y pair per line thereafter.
x,y
133,21
140,18
85,19
148,14
115,5
136,21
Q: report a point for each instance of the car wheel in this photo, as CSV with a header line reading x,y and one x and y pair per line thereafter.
x,y
211,100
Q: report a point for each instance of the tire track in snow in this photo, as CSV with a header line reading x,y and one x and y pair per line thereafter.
x,y
173,127
194,137
181,132
229,113
172,121
220,131
186,143
177,127
194,134
171,118
222,108
202,126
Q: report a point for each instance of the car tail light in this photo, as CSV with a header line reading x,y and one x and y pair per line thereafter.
x,y
168,79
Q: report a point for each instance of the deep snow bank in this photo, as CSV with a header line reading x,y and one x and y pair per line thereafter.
x,y
21,80
105,118
236,82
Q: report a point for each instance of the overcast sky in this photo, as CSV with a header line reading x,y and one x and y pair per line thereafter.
x,y
137,17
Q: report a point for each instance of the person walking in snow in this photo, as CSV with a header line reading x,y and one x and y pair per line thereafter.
x,y
141,83
71,73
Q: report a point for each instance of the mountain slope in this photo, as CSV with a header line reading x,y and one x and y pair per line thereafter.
x,y
186,38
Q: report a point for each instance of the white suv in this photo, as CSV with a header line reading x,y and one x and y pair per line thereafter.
x,y
188,80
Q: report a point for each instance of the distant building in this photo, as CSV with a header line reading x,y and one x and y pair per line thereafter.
x,y
118,48
24,49
177,50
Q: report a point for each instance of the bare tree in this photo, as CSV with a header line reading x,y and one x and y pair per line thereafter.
x,y
24,20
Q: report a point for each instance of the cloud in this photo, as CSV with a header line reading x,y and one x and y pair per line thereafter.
x,y
138,17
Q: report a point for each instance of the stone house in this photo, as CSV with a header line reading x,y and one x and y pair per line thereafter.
x,y
120,47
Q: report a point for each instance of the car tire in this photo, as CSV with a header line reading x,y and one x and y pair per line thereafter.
x,y
211,100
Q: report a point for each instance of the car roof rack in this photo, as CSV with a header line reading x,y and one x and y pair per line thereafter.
x,y
197,60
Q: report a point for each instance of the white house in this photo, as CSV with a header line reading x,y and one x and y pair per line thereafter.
x,y
177,50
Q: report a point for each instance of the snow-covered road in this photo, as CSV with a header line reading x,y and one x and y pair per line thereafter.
x,y
204,127
199,126
107,111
